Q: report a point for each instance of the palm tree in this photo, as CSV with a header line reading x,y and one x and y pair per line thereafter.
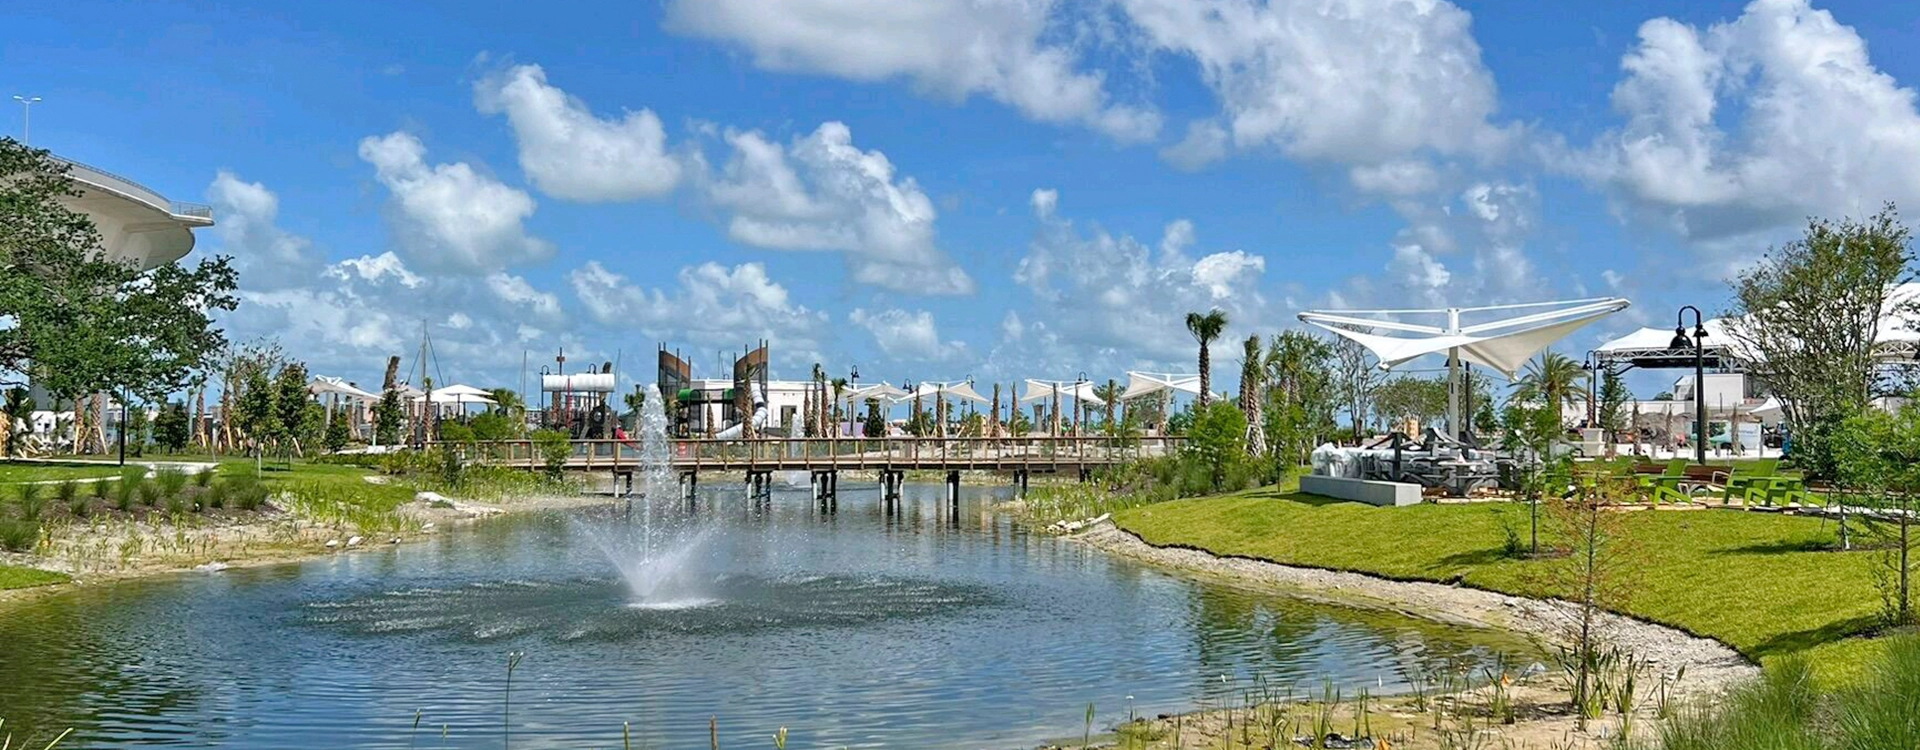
x,y
1206,327
1252,393
839,394
1552,380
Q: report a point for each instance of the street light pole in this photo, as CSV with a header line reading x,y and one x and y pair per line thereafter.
x,y
123,427
26,117
1699,376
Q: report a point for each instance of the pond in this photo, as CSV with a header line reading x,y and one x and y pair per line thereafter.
x,y
913,626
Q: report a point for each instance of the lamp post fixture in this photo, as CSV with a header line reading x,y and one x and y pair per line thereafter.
x,y
26,117
1699,344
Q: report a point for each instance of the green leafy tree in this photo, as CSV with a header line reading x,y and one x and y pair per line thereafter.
x,y
1612,411
82,323
290,402
255,410
1810,312
1206,327
1877,455
171,429
387,416
494,425
1218,440
1356,380
136,427
1302,394
1532,429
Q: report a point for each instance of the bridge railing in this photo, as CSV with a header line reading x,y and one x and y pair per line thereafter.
x,y
1002,453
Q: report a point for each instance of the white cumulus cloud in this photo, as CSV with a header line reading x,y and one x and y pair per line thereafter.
x,y
451,217
907,336
950,48
570,153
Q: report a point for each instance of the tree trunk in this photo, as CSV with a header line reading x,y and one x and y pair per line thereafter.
x,y
1206,378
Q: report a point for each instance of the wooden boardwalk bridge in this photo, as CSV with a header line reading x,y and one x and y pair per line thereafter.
x,y
758,458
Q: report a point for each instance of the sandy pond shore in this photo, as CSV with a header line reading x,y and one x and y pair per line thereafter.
x,y
1710,667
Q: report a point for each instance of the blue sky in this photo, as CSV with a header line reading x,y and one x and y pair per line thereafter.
x,y
991,188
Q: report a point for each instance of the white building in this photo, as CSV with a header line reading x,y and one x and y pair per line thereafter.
x,y
135,222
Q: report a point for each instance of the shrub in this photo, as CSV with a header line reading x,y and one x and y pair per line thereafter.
x,y
149,493
245,493
100,488
215,496
555,448
66,491
171,480
18,535
204,477
176,505
32,501
123,495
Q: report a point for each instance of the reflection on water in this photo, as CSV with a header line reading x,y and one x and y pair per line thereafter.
x,y
863,628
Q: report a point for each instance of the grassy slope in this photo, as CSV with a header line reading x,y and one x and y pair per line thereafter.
x,y
12,577
34,471
1757,581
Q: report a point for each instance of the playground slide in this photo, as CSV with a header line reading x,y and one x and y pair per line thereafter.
x,y
759,415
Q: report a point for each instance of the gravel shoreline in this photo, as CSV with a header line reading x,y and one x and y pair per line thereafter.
x,y
1711,666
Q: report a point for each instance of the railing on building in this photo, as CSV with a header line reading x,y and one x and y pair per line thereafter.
x,y
1042,454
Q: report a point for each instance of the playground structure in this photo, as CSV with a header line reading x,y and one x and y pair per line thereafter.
x,y
580,404
739,409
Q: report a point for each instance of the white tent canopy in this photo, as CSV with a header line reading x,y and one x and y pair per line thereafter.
x,y
1041,390
1897,338
1504,344
1148,383
325,385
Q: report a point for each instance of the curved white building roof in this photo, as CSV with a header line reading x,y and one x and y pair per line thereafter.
x,y
135,223
1504,344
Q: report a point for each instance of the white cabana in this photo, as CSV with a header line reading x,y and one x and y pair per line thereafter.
x,y
1504,344
331,386
1148,383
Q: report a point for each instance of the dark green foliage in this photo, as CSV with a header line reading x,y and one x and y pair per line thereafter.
x,y
100,488
18,534
205,476
339,432
1217,441
66,491
176,505
149,493
123,492
555,448
172,428
136,430
19,410
495,425
245,492
386,418
215,496
454,432
1785,710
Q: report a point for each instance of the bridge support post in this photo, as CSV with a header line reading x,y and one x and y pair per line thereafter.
x,y
689,485
1020,483
953,488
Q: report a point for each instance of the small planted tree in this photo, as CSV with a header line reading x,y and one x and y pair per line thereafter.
x,y
19,410
1597,569
339,432
171,430
1877,456
555,448
1206,327
1531,431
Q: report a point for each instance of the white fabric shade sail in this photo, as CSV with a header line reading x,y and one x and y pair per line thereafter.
x,y
958,389
1503,345
458,394
1042,390
883,392
1148,383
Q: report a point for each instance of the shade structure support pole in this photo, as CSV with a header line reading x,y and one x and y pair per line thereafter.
x,y
1453,376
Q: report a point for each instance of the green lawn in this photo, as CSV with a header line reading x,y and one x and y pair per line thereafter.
x,y
12,577
1763,583
35,471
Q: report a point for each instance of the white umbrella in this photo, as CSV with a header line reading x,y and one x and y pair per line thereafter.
x,y
329,385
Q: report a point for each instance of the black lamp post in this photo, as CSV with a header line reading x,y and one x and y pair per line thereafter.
x,y
123,427
1699,375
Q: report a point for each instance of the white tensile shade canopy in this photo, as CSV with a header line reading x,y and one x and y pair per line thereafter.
x,y
1040,390
1504,344
959,389
1148,383
883,392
